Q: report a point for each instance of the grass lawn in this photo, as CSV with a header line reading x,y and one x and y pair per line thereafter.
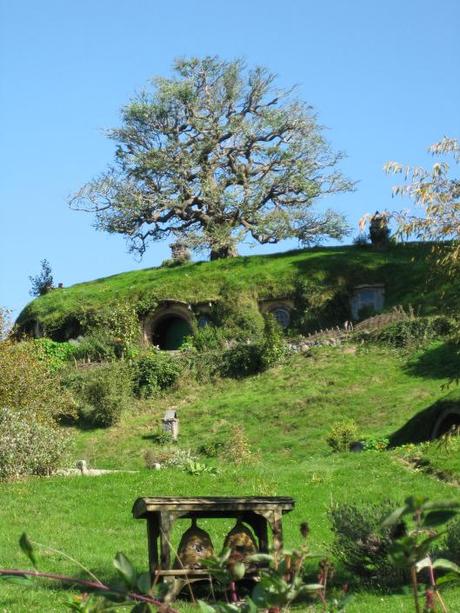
x,y
286,414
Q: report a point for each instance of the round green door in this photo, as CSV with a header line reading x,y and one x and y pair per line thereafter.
x,y
175,331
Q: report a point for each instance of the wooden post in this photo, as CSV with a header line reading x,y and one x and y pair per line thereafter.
x,y
153,533
166,523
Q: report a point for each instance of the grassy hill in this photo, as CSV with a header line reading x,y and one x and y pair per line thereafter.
x,y
404,269
286,414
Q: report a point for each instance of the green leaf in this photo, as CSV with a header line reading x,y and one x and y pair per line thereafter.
x,y
436,518
19,580
126,569
261,557
144,583
312,587
395,517
448,578
441,505
205,607
27,548
446,565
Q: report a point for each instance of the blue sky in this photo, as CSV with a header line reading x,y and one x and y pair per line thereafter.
x,y
383,77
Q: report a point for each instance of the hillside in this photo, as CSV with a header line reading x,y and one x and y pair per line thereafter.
x,y
297,403
331,272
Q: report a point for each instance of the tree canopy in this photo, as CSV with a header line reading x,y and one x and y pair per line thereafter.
x,y
43,282
213,155
438,195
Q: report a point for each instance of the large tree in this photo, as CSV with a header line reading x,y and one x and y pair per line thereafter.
x,y
212,155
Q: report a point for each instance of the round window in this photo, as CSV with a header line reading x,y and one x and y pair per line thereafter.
x,y
282,316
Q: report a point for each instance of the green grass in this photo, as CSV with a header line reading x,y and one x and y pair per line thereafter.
x,y
404,269
286,414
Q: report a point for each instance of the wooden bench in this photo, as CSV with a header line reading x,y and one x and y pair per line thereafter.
x,y
261,513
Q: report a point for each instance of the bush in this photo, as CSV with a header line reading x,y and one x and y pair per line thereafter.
x,y
172,457
342,435
242,361
361,240
95,347
248,359
238,315
28,447
28,384
362,545
162,437
453,541
412,332
155,371
102,393
376,443
54,354
319,307
209,338
116,327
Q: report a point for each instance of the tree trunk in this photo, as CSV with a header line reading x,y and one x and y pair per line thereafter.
x,y
225,251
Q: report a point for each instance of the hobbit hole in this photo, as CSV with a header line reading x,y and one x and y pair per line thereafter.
x,y
448,421
170,332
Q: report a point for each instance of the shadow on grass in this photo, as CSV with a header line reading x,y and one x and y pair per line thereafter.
x,y
420,427
440,362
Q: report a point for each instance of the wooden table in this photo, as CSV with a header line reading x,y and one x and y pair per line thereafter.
x,y
261,513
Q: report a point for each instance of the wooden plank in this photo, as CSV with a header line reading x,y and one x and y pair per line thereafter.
x,y
204,504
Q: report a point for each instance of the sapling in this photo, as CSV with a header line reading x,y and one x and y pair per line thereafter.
x,y
134,590
419,525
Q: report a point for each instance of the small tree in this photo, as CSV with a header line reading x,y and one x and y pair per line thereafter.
x,y
213,155
438,195
379,232
43,282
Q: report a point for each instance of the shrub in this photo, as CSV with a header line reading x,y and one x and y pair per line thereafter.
x,y
95,347
247,359
362,545
318,307
27,383
28,447
209,338
118,326
376,443
162,437
238,314
453,541
361,240
242,361
212,448
54,354
342,434
412,332
379,231
169,457
102,393
155,371
238,449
